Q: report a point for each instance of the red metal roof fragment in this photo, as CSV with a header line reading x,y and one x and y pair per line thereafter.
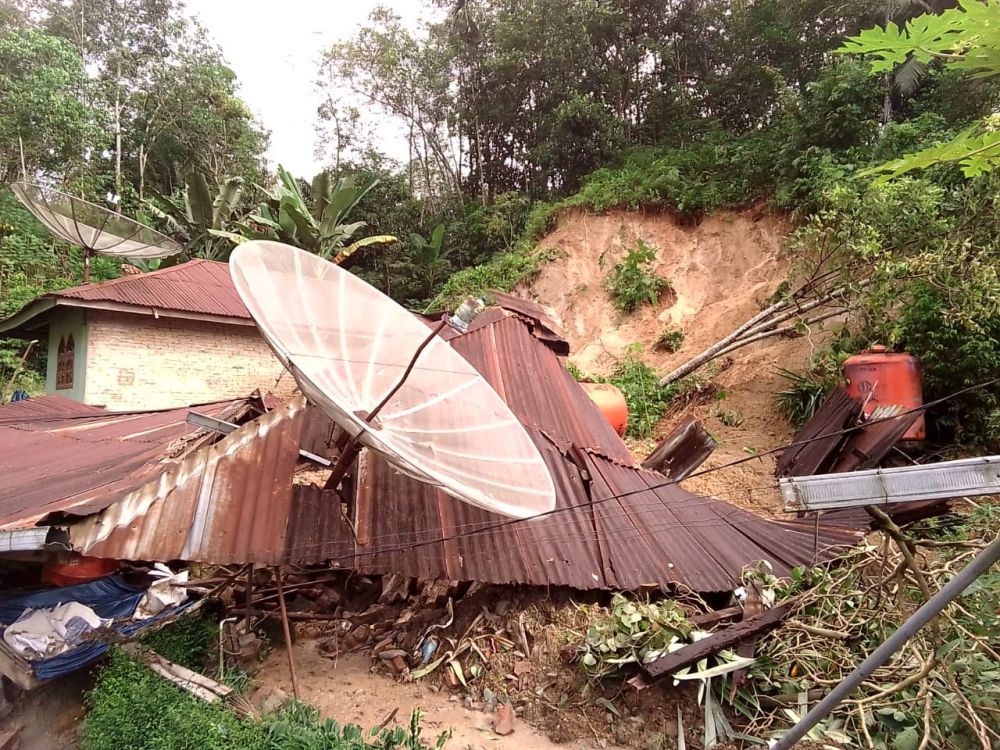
x,y
60,456
198,286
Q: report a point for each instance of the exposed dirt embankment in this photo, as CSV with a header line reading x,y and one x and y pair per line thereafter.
x,y
721,272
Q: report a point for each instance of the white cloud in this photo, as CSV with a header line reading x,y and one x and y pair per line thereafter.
x,y
274,48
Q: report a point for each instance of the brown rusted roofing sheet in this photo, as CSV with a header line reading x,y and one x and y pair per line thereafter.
x,y
59,456
226,502
682,451
819,439
618,526
198,286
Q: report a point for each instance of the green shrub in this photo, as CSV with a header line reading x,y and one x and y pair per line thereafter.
x,y
671,340
502,273
633,282
187,642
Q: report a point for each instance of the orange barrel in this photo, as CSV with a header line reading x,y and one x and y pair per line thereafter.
x,y
882,378
79,570
611,401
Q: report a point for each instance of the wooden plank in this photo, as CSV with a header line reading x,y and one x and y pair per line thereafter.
x,y
695,652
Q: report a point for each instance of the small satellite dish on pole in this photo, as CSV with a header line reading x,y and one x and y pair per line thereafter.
x,y
96,230
393,386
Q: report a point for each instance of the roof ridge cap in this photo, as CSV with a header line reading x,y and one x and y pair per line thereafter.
x,y
127,279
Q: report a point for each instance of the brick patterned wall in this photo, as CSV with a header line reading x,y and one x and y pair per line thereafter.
x,y
141,362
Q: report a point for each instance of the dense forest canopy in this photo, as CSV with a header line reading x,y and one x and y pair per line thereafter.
x,y
513,110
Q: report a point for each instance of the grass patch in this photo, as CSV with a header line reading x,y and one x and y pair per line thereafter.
x,y
187,642
131,708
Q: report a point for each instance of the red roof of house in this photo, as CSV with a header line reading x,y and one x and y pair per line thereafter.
x,y
198,286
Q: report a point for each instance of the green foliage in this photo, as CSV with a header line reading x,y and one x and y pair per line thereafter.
x,y
631,632
729,418
317,224
205,222
670,340
638,382
43,113
633,282
502,273
966,39
132,707
189,641
429,256
896,703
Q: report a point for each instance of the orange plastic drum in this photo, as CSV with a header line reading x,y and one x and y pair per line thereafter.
x,y
79,570
881,378
611,402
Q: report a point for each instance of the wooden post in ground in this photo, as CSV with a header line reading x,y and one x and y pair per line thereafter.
x,y
288,633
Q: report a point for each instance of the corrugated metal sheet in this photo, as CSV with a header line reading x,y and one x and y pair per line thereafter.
x,y
234,501
40,407
198,286
966,477
682,451
223,503
819,439
59,456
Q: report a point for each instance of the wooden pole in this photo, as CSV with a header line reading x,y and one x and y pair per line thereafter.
x,y
288,634
250,598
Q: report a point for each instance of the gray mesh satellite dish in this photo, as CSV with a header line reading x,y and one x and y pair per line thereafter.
x,y
96,230
391,385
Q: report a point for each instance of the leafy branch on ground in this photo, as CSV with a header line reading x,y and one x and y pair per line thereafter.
x,y
941,690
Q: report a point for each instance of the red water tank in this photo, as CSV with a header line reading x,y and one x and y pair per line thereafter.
x,y
882,378
78,570
611,401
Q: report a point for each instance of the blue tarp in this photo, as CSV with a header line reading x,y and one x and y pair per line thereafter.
x,y
110,597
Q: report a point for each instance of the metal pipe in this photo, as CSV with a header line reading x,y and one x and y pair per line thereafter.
x,y
353,448
879,656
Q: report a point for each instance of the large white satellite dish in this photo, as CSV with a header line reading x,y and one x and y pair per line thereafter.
x,y
95,229
350,347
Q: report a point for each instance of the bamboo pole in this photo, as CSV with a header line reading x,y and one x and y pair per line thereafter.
x,y
288,634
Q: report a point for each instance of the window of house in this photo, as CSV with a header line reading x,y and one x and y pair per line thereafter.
x,y
64,363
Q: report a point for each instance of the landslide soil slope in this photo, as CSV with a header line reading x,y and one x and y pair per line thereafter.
x,y
722,271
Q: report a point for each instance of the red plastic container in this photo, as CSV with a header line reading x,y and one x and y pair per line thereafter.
x,y
79,570
611,402
882,378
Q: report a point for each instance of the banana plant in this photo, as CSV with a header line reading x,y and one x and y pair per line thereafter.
x,y
429,256
318,225
204,222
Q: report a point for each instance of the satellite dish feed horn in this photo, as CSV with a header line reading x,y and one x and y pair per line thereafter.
x,y
97,230
391,385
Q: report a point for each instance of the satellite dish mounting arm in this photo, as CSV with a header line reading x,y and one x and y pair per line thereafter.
x,y
353,447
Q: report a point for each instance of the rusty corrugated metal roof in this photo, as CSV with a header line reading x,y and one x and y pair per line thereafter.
x,y
60,456
234,501
199,286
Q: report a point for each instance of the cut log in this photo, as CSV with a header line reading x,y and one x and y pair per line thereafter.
x,y
695,652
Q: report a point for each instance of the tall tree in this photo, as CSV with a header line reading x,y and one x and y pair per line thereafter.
x,y
44,123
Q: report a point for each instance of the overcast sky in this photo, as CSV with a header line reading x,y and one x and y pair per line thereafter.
x,y
274,47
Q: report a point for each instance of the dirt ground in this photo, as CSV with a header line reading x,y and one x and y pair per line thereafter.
x,y
721,271
49,717
556,705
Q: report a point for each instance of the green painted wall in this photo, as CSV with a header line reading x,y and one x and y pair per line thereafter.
x,y
65,322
